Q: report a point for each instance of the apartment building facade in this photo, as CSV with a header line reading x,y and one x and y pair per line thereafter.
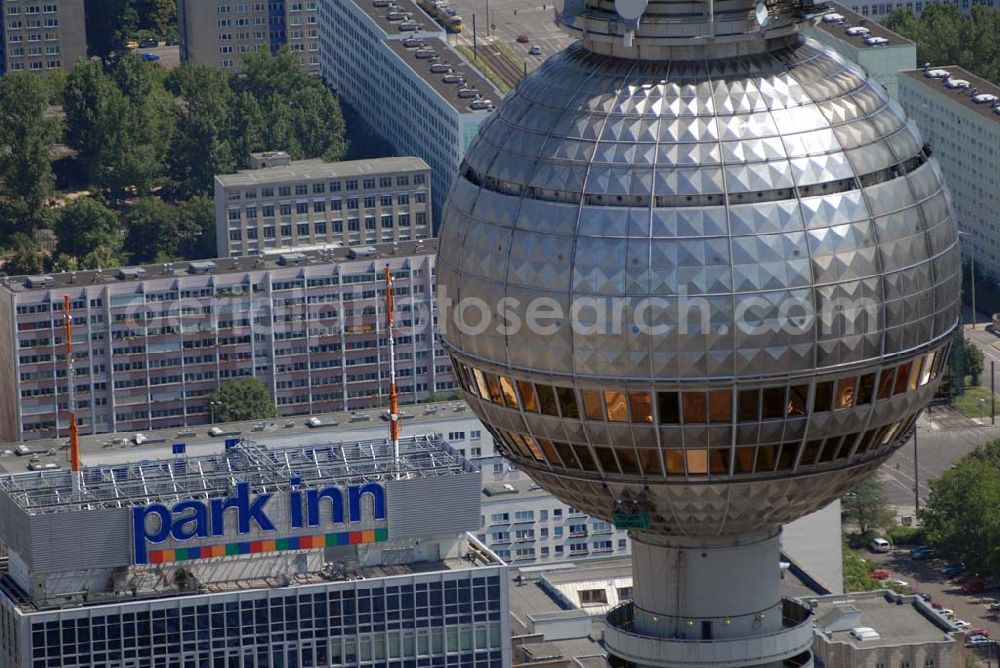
x,y
152,343
959,116
284,204
220,33
393,65
41,35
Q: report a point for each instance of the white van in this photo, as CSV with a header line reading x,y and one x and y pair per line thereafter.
x,y
879,545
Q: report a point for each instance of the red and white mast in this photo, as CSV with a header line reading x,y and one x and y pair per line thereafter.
x,y
394,421
74,437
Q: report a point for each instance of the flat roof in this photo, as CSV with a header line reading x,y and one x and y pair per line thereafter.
x,y
334,427
895,624
961,96
141,483
218,267
444,54
408,7
304,170
850,19
512,490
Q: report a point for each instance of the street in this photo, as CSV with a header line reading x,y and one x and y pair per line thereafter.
x,y
510,18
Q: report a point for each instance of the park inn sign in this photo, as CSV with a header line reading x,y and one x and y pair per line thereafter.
x,y
160,534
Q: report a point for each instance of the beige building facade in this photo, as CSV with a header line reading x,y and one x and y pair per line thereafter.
x,y
41,35
220,33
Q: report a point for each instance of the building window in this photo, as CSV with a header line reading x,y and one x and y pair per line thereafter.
x,y
593,597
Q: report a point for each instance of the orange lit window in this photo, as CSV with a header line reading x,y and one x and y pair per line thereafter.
x,y
593,407
567,402
720,406
744,460
695,408
669,411
797,398
642,406
521,445
536,452
484,392
846,388
902,374
720,461
617,406
507,390
528,396
493,382
914,382
886,383
697,461
550,452
674,460
546,400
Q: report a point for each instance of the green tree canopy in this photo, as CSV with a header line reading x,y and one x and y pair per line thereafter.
x,y
242,399
88,231
196,226
26,138
26,257
111,23
946,36
867,506
974,360
152,231
962,514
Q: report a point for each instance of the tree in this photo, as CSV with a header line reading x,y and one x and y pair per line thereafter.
x,y
26,258
152,231
946,36
962,513
867,506
241,399
202,145
96,112
857,572
196,226
26,138
974,360
88,231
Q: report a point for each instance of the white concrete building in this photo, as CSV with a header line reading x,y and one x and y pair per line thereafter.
x,y
880,51
392,63
959,116
879,9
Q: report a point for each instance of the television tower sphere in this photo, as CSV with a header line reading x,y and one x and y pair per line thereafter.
x,y
703,276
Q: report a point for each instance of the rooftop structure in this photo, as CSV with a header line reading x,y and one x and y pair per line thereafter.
x,y
881,52
412,88
713,155
151,343
959,114
866,629
283,205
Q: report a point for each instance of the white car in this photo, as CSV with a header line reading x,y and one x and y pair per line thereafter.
x,y
139,439
947,612
215,431
962,624
901,583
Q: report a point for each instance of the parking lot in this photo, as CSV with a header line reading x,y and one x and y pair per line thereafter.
x,y
925,577
170,56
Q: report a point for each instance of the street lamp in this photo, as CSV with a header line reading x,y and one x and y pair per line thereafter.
x,y
972,274
211,410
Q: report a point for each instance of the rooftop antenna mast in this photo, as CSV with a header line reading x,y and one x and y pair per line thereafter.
x,y
394,421
74,436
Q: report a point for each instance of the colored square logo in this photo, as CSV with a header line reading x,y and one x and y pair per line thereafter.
x,y
245,548
381,535
269,545
356,537
256,546
292,544
368,536
232,549
216,550
281,544
156,556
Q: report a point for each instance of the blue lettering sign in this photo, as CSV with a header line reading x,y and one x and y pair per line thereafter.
x,y
188,520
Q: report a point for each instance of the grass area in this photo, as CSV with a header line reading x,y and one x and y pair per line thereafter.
x,y
481,65
968,403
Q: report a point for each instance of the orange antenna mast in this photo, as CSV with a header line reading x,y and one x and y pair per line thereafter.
x,y
394,421
74,436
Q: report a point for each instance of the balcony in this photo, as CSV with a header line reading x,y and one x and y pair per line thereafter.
x,y
791,645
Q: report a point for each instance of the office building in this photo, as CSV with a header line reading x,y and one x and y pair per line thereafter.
x,y
881,52
41,36
332,555
879,629
151,343
410,86
280,204
219,33
879,9
664,158
959,115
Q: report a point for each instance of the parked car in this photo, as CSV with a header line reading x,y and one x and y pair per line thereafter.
x,y
977,641
980,632
953,569
139,439
880,574
314,422
947,612
289,423
149,43
535,50
937,606
923,553
995,605
901,583
131,45
150,57
973,586
879,545
171,42
523,39
215,431
962,624
926,597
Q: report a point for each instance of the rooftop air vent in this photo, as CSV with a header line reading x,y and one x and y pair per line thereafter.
x,y
382,3
39,281
440,68
936,74
466,93
833,17
411,42
409,26
956,83
425,54
481,105
291,258
857,31
983,98
453,78
131,273
876,41
201,267
362,251
396,16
